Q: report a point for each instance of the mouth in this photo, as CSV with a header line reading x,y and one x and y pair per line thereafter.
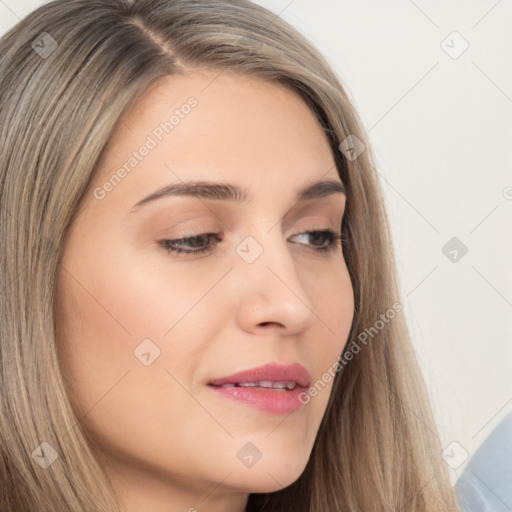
x,y
271,388
265,384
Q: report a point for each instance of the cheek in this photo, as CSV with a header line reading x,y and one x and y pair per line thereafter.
x,y
334,299
103,316
115,307
333,295
106,312
94,339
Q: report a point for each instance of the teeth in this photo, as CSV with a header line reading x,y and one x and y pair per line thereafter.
x,y
264,384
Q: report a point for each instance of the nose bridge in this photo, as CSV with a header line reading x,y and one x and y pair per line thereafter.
x,y
271,291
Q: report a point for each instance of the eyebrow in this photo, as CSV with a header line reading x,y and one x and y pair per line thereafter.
x,y
230,192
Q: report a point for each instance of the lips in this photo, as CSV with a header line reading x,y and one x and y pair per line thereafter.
x,y
272,375
273,388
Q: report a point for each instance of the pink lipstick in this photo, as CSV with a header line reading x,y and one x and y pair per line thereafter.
x,y
272,388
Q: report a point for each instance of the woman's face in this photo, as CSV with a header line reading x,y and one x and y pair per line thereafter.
x,y
144,330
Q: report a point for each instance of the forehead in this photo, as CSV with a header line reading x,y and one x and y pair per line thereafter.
x,y
215,124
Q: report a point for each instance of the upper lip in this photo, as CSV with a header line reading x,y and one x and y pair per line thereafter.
x,y
270,372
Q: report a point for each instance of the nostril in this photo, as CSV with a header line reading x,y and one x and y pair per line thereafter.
x,y
264,324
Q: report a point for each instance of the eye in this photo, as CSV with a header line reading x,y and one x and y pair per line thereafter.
x,y
321,240
198,244
324,240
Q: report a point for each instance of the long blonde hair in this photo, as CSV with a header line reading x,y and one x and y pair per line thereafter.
x,y
68,72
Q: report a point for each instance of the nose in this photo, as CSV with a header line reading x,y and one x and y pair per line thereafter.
x,y
270,291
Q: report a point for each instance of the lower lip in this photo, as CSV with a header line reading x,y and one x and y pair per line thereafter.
x,y
265,399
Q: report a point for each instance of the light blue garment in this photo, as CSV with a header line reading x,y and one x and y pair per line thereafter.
x,y
486,482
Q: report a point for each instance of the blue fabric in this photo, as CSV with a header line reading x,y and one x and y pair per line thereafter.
x,y
486,482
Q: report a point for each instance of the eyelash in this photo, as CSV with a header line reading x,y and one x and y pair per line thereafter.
x,y
334,239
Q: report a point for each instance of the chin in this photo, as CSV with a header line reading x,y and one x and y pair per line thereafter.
x,y
270,477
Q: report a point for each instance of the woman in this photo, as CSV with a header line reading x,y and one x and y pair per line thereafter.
x,y
190,217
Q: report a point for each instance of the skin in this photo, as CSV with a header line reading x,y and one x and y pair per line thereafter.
x,y
167,441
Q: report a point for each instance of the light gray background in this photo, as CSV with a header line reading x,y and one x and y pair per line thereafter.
x,y
440,128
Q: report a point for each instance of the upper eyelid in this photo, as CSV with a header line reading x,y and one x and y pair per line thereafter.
x,y
194,234
317,208
311,224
